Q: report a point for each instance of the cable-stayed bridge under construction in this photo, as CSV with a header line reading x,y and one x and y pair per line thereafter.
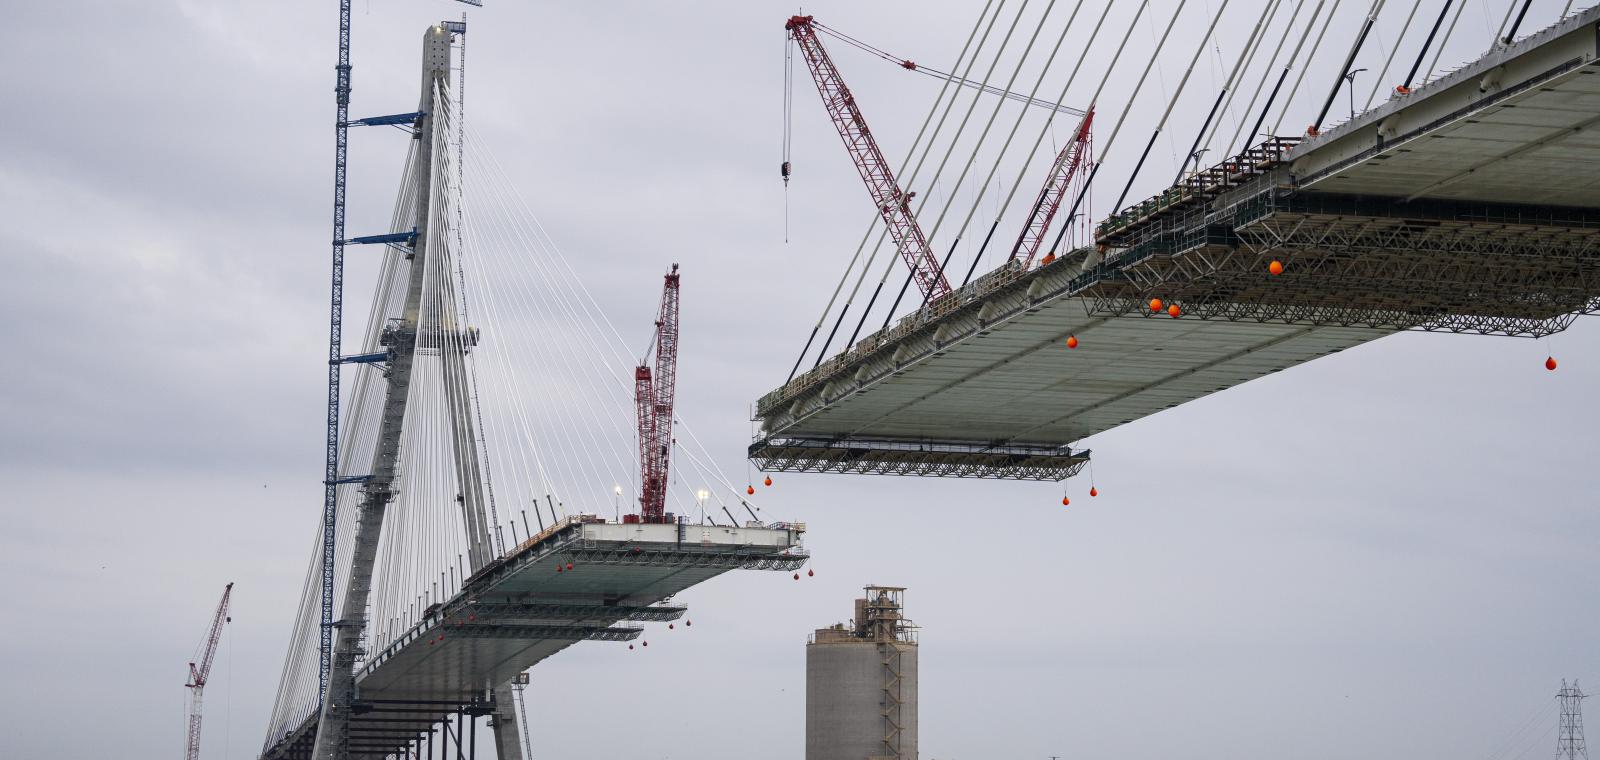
x,y
464,541
1468,204
1463,203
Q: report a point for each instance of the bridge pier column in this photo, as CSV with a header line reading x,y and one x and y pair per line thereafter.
x,y
507,735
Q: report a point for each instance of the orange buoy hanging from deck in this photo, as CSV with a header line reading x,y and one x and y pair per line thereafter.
x,y
1093,491
797,576
1276,267
1072,341
751,490
1065,501
1155,304
1174,311
811,573
1550,363
769,480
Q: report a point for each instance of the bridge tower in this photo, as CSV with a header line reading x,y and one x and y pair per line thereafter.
x,y
404,338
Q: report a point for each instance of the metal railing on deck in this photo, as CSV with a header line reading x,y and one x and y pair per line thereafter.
x,y
1200,186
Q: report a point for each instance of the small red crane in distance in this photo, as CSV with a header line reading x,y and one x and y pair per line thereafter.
x,y
893,204
1067,163
652,398
198,673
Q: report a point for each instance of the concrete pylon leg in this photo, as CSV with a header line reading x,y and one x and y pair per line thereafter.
x,y
507,734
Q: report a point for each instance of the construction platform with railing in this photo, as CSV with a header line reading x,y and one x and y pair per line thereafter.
x,y
581,579
1401,219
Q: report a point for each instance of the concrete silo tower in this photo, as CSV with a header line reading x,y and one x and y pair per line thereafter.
x,y
861,683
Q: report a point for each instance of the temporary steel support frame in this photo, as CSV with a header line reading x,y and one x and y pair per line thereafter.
x,y
330,474
388,726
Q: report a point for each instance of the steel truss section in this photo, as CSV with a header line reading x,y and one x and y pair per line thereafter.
x,y
952,459
675,558
491,611
1445,267
541,632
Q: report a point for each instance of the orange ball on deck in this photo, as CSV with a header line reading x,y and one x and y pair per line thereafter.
x,y
1072,341
1174,311
1155,304
1276,267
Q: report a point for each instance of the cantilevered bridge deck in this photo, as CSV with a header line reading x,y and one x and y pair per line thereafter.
x,y
529,605
1468,205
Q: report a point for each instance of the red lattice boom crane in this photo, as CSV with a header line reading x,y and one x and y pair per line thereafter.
x,y
1072,157
653,396
198,673
893,203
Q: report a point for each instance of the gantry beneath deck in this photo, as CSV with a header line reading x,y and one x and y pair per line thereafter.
x,y
1469,205
529,605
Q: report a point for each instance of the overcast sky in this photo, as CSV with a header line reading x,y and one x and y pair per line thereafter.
x,y
1385,554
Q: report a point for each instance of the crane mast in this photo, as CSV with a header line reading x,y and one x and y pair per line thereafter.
x,y
653,395
198,673
893,203
1066,166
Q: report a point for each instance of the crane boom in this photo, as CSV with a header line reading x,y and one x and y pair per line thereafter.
x,y
198,673
893,203
1066,166
653,396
